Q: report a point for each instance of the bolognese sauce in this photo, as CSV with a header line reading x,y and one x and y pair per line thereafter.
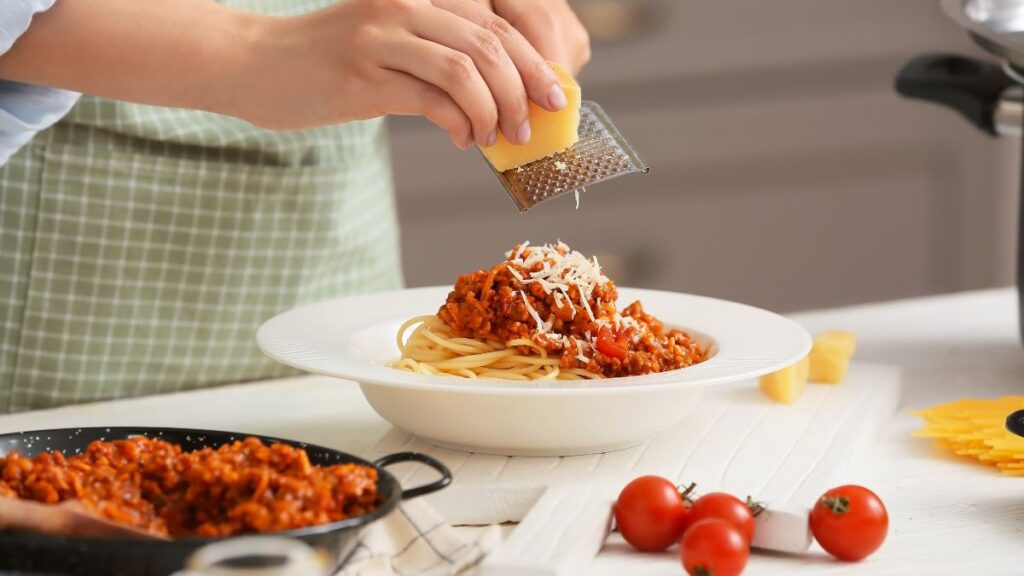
x,y
240,487
561,301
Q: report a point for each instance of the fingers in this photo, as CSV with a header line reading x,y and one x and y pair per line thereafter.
x,y
409,96
541,84
491,61
454,73
551,27
580,44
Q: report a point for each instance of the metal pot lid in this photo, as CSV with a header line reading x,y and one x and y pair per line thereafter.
x,y
996,25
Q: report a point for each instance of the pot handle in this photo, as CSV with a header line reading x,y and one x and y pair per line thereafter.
x,y
444,480
1015,422
971,87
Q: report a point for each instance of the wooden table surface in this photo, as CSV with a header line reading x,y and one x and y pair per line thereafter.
x,y
947,515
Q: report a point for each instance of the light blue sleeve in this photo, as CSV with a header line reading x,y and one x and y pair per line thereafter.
x,y
25,109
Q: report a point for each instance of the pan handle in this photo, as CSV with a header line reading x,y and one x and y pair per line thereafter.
x,y
1015,422
444,480
971,87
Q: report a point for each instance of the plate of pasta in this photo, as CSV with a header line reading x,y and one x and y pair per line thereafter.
x,y
538,354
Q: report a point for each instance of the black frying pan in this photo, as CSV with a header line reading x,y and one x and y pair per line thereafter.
x,y
31,552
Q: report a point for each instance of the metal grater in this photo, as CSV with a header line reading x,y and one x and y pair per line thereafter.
x,y
601,153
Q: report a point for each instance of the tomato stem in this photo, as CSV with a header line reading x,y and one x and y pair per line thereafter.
x,y
702,571
687,492
837,504
756,508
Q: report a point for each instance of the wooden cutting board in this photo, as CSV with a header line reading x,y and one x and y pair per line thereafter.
x,y
733,440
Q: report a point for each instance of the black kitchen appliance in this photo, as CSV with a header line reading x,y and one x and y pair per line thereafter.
x,y
75,555
988,94
1015,423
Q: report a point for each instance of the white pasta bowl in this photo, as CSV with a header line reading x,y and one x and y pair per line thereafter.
x,y
354,338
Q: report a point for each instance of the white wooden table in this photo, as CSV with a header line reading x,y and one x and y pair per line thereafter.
x,y
948,516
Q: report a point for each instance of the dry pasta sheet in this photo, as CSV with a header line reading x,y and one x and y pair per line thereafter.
x,y
976,428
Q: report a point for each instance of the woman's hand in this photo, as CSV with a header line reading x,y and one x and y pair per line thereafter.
x,y
550,26
453,61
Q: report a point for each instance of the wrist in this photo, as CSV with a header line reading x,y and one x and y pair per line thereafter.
x,y
238,66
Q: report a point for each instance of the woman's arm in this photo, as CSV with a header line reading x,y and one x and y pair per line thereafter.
x,y
452,61
173,52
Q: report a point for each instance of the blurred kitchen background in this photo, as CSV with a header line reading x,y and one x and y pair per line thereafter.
x,y
785,171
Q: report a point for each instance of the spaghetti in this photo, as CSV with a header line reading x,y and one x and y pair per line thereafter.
x,y
545,313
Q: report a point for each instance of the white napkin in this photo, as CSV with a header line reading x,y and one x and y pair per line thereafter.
x,y
415,540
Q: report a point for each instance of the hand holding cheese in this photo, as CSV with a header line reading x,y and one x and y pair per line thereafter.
x,y
552,131
453,61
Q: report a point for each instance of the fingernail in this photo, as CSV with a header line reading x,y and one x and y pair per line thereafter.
x,y
556,99
492,137
523,134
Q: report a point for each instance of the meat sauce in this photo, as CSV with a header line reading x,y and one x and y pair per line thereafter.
x,y
536,295
241,487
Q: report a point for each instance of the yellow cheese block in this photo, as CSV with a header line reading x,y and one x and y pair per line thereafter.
x,y
787,384
551,131
830,356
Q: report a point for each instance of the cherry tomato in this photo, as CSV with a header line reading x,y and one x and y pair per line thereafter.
x,y
650,513
725,507
850,522
611,344
713,547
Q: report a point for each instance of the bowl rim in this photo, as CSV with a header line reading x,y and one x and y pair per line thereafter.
x,y
731,362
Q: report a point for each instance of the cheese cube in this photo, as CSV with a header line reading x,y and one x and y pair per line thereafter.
x,y
551,131
787,384
783,530
830,356
803,369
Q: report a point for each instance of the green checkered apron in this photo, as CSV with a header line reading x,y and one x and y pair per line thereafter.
x,y
141,247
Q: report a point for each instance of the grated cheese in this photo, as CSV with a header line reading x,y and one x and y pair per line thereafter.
x,y
585,299
561,267
518,251
513,272
627,321
556,268
541,325
579,352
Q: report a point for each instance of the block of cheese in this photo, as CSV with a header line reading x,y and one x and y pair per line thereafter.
x,y
787,384
551,131
783,530
830,356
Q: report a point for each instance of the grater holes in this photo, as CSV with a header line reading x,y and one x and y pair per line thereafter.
x,y
600,154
